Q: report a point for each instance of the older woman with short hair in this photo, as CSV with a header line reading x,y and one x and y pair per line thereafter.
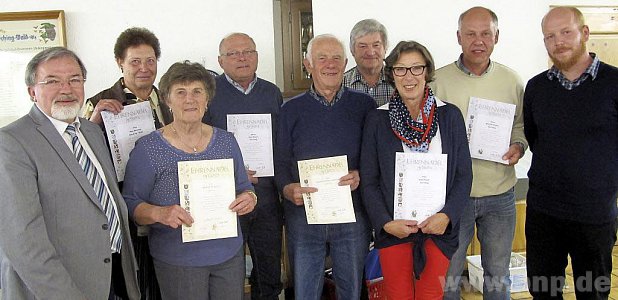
x,y
414,256
211,269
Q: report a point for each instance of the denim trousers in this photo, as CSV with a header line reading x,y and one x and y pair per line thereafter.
x,y
550,240
494,217
309,245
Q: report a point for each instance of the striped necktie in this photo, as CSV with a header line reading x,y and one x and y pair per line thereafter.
x,y
99,188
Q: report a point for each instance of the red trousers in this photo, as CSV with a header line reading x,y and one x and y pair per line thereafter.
x,y
397,269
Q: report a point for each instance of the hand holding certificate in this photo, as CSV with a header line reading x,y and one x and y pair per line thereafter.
x,y
206,190
123,129
420,185
489,124
332,203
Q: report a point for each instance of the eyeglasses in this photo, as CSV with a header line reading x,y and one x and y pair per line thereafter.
x,y
55,83
414,70
237,54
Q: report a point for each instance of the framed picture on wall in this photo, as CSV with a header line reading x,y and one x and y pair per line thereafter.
x,y
22,35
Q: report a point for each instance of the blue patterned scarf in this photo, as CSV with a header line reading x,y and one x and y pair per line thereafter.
x,y
416,134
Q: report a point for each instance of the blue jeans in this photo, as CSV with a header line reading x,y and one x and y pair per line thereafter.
x,y
494,217
309,245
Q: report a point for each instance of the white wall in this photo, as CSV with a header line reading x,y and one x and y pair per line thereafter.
x,y
192,29
434,24
189,29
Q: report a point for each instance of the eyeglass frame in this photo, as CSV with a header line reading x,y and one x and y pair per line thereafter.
x,y
422,67
73,82
238,54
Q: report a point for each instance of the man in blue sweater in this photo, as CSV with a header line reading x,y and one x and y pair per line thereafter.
x,y
571,123
325,121
240,92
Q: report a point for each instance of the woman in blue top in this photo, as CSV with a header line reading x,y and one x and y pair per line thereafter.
x,y
414,255
211,269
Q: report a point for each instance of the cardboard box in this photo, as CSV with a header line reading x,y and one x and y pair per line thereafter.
x,y
519,281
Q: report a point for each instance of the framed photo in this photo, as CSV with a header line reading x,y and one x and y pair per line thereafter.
x,y
32,30
22,35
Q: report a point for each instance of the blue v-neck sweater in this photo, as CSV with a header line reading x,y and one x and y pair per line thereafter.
x,y
264,98
308,129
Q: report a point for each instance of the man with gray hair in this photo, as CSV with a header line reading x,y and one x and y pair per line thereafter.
x,y
325,121
492,199
240,92
65,231
368,44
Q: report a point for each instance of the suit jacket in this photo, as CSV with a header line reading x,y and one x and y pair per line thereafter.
x,y
55,239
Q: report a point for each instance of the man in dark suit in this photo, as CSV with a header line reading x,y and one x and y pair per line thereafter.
x,y
64,223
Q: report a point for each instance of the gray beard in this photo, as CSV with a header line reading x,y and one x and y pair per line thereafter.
x,y
64,113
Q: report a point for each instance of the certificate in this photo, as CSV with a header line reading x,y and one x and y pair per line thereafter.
x,y
206,191
254,135
123,129
332,203
420,185
489,124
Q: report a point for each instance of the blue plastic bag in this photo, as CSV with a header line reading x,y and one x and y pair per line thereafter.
x,y
373,270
